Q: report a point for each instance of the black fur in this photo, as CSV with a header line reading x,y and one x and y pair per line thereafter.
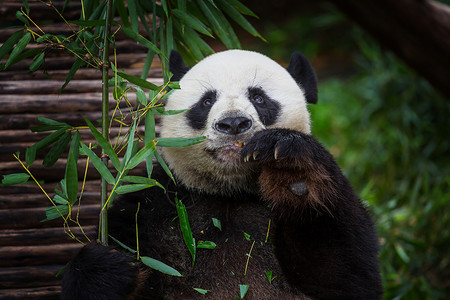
x,y
303,73
268,109
177,66
198,114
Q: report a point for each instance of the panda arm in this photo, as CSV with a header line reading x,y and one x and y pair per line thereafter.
x,y
110,272
324,238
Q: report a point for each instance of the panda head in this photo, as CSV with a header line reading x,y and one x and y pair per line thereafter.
x,y
229,96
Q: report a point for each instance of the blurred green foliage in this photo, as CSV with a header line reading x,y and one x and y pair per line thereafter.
x,y
389,131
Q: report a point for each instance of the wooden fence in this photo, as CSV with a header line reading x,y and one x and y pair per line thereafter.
x,y
33,252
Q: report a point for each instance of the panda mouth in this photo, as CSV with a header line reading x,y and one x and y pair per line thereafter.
x,y
228,153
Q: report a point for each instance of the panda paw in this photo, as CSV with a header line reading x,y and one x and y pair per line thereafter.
x,y
277,145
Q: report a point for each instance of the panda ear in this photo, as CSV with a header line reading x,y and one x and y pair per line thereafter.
x,y
177,66
303,73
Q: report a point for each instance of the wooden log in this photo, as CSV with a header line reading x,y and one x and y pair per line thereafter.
x,y
39,10
27,277
90,185
37,293
40,200
44,236
24,218
17,256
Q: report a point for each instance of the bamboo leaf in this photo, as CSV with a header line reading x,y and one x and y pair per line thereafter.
x,y
55,212
179,142
164,165
159,266
37,62
49,125
161,111
23,42
192,21
141,155
133,15
30,154
238,18
16,178
201,291
187,36
98,164
138,81
242,8
60,200
139,179
9,43
142,40
217,223
88,23
130,188
106,146
149,136
130,146
243,289
185,228
123,13
122,244
75,67
57,150
206,245
169,36
140,95
27,7
71,177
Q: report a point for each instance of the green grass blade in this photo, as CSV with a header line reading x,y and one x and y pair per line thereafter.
x,y
159,266
106,146
98,164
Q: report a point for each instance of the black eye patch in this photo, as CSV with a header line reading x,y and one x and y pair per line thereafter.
x,y
267,108
198,114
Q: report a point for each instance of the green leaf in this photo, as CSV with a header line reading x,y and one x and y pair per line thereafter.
x,y
57,150
238,18
130,146
149,136
98,164
185,228
217,223
242,8
60,200
140,95
122,244
88,23
138,81
49,125
192,21
30,154
201,291
37,62
161,111
106,146
247,236
71,177
141,155
123,13
22,18
179,142
16,178
243,289
55,212
139,179
130,188
164,165
143,41
9,43
27,7
206,245
18,49
75,67
159,266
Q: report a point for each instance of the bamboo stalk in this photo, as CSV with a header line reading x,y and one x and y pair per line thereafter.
x,y
105,120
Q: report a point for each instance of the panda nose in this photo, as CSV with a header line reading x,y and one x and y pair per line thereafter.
x,y
233,125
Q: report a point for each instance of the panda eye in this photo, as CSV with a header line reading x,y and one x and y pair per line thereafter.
x,y
207,102
258,99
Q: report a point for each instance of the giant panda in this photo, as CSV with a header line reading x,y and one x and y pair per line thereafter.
x,y
284,205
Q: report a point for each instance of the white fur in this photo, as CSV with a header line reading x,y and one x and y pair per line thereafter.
x,y
230,73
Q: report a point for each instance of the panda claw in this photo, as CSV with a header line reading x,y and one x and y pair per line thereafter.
x,y
276,152
247,158
255,155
